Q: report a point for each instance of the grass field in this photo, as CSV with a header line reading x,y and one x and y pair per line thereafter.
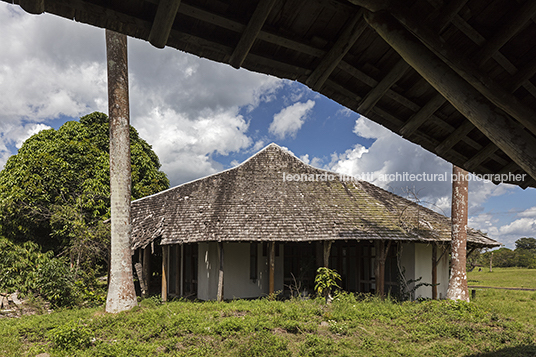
x,y
503,277
496,323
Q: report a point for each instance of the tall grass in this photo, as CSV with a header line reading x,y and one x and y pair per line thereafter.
x,y
351,326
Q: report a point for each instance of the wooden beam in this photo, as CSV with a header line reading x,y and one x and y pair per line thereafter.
x,y
182,271
327,252
271,269
422,115
469,71
370,100
444,15
372,5
434,271
163,22
507,30
331,60
482,155
457,289
522,75
251,32
35,7
165,264
146,271
220,273
382,251
455,137
508,135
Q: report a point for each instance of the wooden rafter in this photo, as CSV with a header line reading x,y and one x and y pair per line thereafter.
x,y
251,32
480,40
455,137
163,22
335,55
444,14
481,156
469,72
33,6
370,100
422,115
508,135
507,30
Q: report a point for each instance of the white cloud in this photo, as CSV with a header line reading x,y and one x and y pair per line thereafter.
x,y
390,154
185,145
186,107
524,225
30,130
289,120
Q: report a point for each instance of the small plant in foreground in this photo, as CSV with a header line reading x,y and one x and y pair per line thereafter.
x,y
326,282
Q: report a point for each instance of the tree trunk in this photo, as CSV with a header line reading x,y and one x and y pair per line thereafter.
x,y
121,293
458,289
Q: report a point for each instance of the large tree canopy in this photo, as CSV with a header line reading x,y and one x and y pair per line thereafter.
x,y
56,189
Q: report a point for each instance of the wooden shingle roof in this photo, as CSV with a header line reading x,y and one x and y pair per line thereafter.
x,y
253,202
456,77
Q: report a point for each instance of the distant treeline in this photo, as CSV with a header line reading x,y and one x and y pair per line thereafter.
x,y
524,255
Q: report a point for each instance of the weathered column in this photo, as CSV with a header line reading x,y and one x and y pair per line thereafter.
x,y
434,271
147,269
220,273
165,265
381,256
271,269
121,293
327,252
457,289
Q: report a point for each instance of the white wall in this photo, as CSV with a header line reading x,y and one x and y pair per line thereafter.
x,y
236,281
417,259
207,271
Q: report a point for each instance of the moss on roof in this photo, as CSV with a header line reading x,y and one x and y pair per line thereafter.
x,y
253,202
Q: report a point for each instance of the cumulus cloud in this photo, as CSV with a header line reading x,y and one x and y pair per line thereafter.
x,y
28,131
185,145
289,120
390,161
186,107
523,225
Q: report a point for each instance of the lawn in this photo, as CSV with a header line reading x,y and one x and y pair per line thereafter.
x,y
496,323
503,277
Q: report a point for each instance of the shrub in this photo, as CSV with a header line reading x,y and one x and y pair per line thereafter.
x,y
71,336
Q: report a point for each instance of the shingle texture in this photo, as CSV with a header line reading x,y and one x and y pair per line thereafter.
x,y
253,202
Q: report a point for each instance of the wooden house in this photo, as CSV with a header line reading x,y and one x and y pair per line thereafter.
x,y
266,225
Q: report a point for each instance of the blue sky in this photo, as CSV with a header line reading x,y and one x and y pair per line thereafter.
x,y
202,117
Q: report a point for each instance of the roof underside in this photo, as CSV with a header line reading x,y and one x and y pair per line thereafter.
x,y
254,202
349,53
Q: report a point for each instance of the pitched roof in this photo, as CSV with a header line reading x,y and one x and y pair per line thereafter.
x,y
255,201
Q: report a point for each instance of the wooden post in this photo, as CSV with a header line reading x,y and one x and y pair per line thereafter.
x,y
271,269
327,252
434,271
220,273
491,262
121,292
146,270
381,256
182,271
458,289
165,262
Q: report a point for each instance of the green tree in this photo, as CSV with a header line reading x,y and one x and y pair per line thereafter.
x,y
55,191
526,244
